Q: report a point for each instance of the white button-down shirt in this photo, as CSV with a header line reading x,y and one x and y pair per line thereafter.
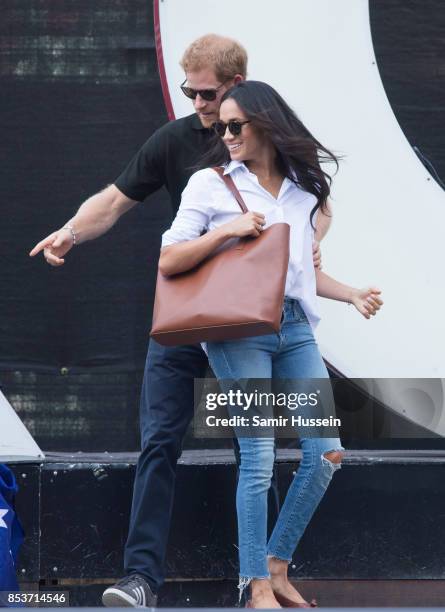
x,y
207,204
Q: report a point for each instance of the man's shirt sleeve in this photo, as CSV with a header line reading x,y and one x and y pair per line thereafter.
x,y
145,173
195,211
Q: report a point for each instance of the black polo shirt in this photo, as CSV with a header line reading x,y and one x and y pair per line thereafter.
x,y
167,158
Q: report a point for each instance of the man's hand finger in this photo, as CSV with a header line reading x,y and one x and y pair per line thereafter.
x,y
43,244
52,259
58,241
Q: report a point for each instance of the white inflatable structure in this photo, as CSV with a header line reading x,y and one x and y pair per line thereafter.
x,y
389,213
16,443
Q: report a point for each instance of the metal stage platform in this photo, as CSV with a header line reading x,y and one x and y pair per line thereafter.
x,y
376,539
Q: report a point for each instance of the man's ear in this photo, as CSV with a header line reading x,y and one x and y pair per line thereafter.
x,y
238,78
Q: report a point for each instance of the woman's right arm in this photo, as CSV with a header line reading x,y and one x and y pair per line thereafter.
x,y
184,246
183,256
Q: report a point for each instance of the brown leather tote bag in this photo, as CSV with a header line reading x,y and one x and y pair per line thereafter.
x,y
233,293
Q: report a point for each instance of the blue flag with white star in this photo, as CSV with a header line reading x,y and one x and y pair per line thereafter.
x,y
11,532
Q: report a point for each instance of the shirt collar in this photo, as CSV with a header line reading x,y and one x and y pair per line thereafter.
x,y
239,164
197,125
232,165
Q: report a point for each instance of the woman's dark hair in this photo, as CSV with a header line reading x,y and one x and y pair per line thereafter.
x,y
299,154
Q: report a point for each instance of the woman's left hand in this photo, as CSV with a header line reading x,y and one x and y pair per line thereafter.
x,y
367,301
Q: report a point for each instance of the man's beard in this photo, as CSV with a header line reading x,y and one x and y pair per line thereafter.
x,y
207,122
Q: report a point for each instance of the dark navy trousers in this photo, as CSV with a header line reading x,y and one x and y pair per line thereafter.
x,y
166,409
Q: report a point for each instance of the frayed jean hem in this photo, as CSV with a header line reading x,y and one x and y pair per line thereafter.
x,y
244,582
271,555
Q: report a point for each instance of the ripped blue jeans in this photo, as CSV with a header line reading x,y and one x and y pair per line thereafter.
x,y
292,354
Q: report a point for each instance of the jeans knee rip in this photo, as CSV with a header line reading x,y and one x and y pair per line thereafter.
x,y
327,462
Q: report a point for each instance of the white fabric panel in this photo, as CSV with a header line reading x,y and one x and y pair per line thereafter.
x,y
389,213
16,443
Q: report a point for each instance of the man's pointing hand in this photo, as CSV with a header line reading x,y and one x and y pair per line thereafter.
x,y
55,246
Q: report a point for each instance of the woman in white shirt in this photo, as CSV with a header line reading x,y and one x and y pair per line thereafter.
x,y
275,164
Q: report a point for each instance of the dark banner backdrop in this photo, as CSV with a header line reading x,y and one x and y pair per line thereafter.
x,y
80,93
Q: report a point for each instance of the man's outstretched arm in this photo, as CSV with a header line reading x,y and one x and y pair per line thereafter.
x,y
95,217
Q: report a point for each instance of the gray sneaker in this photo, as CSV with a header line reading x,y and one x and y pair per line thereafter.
x,y
132,591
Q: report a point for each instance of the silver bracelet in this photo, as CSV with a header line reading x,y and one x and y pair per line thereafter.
x,y
73,234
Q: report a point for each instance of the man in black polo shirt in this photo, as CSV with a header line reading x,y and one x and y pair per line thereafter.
x,y
167,158
212,64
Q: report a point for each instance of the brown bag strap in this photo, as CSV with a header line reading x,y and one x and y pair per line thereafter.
x,y
233,188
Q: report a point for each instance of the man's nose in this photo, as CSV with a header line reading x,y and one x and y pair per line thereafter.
x,y
199,102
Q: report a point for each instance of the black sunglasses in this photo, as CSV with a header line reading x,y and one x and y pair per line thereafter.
x,y
209,95
234,126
